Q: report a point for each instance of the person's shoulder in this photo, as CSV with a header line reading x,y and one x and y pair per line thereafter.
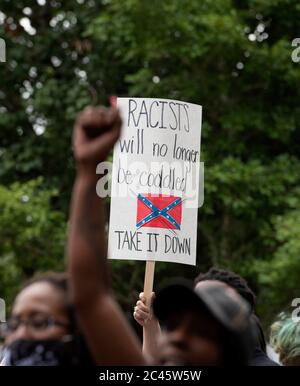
x,y
259,358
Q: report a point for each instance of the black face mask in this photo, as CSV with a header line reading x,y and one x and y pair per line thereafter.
x,y
65,352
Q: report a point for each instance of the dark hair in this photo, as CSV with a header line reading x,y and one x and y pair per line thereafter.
x,y
232,280
259,334
58,280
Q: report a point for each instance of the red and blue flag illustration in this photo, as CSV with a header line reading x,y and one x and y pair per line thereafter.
x,y
158,211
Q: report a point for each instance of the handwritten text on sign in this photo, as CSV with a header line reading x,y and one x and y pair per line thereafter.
x,y
155,181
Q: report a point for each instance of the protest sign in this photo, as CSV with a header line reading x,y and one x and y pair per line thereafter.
x,y
155,181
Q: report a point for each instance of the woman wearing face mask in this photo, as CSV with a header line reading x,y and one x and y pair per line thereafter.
x,y
42,329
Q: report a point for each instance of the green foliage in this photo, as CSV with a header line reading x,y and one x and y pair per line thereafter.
x,y
279,275
232,57
32,234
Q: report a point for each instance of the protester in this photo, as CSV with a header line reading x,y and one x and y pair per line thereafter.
x,y
233,280
151,327
114,343
218,313
42,329
285,340
203,326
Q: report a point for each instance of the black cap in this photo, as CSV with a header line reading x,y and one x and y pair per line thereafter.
x,y
222,302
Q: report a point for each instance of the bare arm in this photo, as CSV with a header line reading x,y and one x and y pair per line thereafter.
x,y
108,334
151,327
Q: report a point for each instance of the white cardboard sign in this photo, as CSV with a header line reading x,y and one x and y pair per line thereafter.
x,y
155,181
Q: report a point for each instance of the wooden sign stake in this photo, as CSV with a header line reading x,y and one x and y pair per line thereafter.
x,y
148,283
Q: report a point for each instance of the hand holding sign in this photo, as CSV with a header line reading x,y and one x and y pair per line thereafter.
x,y
142,313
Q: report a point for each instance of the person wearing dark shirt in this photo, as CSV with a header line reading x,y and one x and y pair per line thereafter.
x,y
151,326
